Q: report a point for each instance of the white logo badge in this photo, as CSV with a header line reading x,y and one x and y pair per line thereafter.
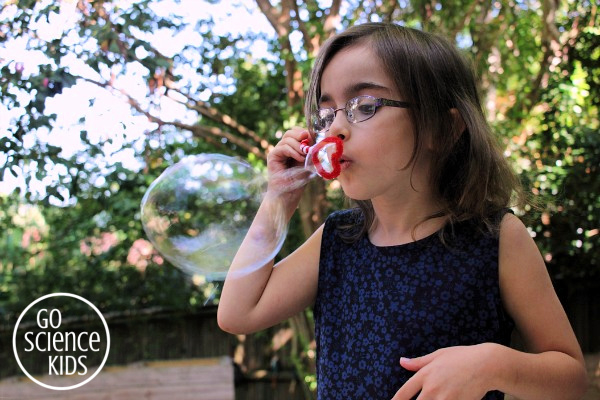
x,y
65,353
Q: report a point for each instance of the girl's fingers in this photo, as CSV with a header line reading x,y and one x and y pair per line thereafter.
x,y
415,364
283,161
409,389
289,146
297,133
291,150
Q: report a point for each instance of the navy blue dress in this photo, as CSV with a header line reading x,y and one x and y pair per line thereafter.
x,y
376,304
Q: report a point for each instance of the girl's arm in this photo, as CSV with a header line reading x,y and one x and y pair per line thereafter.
x,y
259,298
553,367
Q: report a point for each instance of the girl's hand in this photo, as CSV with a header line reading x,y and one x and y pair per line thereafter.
x,y
452,373
285,165
287,153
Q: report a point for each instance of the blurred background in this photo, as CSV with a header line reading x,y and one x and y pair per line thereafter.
x,y
97,98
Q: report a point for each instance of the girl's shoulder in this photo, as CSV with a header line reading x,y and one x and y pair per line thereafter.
x,y
489,226
513,230
343,225
346,220
349,216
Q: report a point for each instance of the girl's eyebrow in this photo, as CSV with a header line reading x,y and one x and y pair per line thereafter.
x,y
354,90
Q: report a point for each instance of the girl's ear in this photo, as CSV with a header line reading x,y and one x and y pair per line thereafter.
x,y
458,123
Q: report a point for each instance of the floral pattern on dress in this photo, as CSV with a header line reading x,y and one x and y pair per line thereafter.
x,y
377,304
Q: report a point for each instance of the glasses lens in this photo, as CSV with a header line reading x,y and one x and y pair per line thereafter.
x,y
361,108
322,119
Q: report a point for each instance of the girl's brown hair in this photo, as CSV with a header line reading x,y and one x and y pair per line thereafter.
x,y
468,171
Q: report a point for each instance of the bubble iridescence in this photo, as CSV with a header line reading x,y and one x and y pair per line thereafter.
x,y
198,211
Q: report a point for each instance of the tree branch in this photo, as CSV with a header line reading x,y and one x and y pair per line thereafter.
x,y
466,19
208,133
281,21
332,19
215,115
555,52
308,44
389,11
483,43
273,17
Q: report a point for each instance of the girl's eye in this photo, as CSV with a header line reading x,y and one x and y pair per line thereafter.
x,y
366,109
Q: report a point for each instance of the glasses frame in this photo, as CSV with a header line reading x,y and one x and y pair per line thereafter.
x,y
379,102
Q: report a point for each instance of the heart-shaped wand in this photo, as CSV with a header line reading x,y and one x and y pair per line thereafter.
x,y
324,156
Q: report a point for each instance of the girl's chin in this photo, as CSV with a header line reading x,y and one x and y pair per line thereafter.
x,y
352,190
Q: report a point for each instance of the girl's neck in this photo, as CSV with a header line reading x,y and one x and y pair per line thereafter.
x,y
404,220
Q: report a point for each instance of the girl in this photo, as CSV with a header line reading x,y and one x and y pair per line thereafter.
x,y
417,290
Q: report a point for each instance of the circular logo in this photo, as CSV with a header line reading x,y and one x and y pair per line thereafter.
x,y
66,352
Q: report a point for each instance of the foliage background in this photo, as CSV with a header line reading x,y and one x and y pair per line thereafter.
x,y
538,62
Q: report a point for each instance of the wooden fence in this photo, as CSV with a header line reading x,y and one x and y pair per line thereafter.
x,y
582,305
164,335
167,335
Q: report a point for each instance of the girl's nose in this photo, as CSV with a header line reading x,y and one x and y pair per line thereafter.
x,y
340,126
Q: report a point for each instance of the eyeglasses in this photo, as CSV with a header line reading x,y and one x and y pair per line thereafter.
x,y
358,109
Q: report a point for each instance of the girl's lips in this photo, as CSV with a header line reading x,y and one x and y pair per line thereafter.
x,y
345,163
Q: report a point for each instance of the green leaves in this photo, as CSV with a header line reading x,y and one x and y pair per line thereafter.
x,y
565,149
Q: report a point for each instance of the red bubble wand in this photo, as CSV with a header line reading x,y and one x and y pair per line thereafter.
x,y
326,161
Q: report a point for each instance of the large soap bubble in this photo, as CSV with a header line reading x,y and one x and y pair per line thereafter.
x,y
198,211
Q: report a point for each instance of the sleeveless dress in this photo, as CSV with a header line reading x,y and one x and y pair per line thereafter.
x,y
376,304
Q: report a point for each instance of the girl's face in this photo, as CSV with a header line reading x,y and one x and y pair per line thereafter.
x,y
376,151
